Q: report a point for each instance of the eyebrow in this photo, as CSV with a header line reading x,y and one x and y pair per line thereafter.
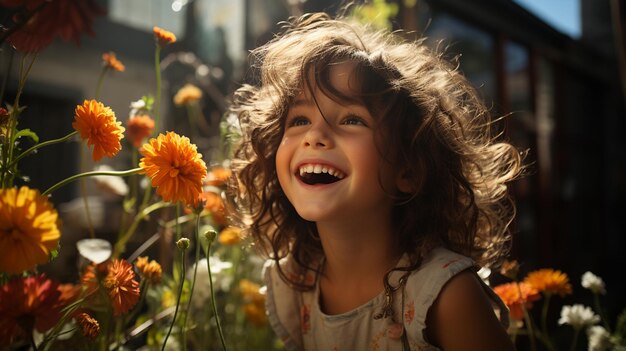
x,y
302,102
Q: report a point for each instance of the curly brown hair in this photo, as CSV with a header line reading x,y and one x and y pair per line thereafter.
x,y
441,132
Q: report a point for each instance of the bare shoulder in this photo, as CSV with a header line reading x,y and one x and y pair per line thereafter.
x,y
462,318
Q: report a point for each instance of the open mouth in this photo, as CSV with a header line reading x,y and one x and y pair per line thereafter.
x,y
319,174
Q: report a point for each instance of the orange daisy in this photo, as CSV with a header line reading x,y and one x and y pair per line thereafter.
x,y
29,229
139,128
214,204
510,295
151,270
163,37
218,176
89,326
175,167
549,281
121,286
29,303
97,124
110,61
230,236
187,94
254,307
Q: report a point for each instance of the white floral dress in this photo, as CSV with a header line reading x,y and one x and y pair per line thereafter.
x,y
297,319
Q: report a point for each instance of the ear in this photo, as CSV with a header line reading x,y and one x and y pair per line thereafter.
x,y
405,183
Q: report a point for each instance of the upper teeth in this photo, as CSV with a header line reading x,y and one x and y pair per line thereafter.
x,y
321,169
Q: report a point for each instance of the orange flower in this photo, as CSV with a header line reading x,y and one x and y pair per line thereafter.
x,y
97,124
152,270
110,61
139,128
121,286
549,281
163,37
45,20
187,94
254,307
214,204
89,326
510,295
230,236
29,229
175,167
218,176
28,303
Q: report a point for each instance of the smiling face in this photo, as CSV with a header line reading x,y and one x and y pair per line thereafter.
x,y
328,164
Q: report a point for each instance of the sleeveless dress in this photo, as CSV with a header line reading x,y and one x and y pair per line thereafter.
x,y
297,319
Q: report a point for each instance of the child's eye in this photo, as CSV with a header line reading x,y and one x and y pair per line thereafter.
x,y
354,120
297,121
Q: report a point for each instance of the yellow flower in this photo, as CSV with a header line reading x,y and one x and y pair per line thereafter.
x,y
254,307
121,286
175,167
110,61
163,37
89,326
550,281
230,236
139,128
151,270
187,94
97,124
510,295
29,229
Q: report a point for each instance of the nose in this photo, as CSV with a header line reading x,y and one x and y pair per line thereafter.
x,y
319,136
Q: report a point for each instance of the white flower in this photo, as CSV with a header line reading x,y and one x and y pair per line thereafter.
x,y
136,106
598,338
593,282
221,279
95,250
578,316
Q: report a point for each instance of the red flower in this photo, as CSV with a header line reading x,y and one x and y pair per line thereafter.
x,y
34,302
38,22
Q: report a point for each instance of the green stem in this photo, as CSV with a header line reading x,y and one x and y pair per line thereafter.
x,y
180,292
90,174
39,146
213,304
596,301
529,324
83,188
120,245
575,340
544,323
157,99
100,80
195,272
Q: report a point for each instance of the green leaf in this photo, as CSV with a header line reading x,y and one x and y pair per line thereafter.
x,y
26,133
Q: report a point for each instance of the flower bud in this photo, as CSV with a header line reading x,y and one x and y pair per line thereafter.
x,y
210,236
183,244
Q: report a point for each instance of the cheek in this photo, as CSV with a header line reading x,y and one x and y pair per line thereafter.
x,y
283,160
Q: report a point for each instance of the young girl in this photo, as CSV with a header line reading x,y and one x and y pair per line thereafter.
x,y
368,175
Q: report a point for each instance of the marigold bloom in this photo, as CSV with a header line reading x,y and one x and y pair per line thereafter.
x,y
139,128
255,314
549,281
28,303
97,124
151,270
214,204
89,326
45,20
163,37
110,61
510,295
175,167
121,286
254,308
29,229
218,176
187,94
230,236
